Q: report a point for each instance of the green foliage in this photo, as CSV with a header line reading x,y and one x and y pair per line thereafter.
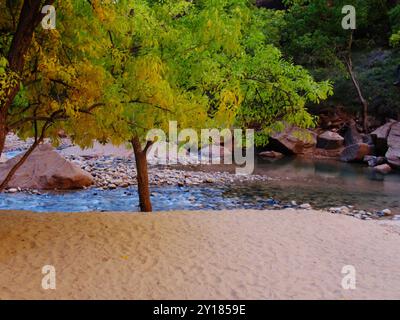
x,y
394,15
115,69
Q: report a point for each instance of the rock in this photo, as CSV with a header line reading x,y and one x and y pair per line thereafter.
x,y
351,135
293,140
393,153
383,168
380,137
344,210
305,206
45,169
356,152
3,158
12,190
330,140
387,212
271,154
374,161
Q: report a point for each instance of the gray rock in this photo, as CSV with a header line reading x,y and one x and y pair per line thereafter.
x,y
393,153
305,206
330,140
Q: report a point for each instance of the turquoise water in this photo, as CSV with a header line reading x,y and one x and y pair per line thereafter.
x,y
323,184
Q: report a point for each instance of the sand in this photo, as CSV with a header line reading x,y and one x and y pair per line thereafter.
x,y
197,255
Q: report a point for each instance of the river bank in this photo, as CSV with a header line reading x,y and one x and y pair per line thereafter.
x,y
242,254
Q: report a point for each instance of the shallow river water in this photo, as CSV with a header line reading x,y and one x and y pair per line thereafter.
x,y
323,184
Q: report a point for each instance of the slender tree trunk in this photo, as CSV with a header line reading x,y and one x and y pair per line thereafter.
x,y
364,102
21,161
142,175
3,131
29,18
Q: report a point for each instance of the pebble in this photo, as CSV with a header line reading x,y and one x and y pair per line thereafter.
x,y
305,206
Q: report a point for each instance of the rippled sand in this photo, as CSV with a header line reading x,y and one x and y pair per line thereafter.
x,y
197,255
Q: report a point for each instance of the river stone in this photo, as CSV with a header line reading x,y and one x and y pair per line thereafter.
x,y
45,169
330,140
393,153
294,140
383,168
356,152
374,161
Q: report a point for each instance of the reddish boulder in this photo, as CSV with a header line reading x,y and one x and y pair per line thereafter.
x,y
380,137
45,169
293,140
356,152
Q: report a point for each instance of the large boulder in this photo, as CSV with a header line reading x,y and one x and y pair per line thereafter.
x,y
380,137
356,152
330,140
45,169
351,134
393,141
293,140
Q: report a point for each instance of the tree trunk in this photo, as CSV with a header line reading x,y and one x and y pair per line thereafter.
x,y
364,102
21,161
142,175
29,18
3,132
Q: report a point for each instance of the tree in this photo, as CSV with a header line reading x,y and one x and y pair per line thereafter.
x,y
316,39
112,70
52,79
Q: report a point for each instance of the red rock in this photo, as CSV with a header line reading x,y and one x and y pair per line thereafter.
x,y
356,152
380,137
294,140
45,169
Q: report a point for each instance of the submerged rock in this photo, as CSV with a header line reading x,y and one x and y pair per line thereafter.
x,y
383,168
45,169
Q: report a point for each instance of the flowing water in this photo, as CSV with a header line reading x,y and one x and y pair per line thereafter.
x,y
323,184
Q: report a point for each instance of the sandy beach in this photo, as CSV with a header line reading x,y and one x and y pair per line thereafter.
x,y
284,254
